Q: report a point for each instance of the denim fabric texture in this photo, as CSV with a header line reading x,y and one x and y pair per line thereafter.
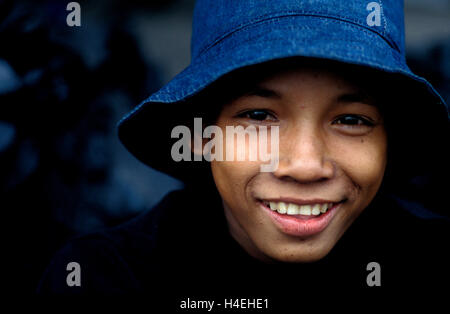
x,y
231,34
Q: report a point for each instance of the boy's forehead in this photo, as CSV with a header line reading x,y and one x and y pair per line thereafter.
x,y
270,80
281,72
302,75
348,93
279,82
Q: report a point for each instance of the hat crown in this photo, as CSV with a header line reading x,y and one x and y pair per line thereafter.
x,y
217,19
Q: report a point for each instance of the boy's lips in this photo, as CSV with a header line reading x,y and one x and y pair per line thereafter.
x,y
301,218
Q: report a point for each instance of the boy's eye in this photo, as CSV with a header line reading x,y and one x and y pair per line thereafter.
x,y
257,114
353,120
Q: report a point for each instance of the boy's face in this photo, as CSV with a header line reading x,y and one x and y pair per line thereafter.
x,y
332,149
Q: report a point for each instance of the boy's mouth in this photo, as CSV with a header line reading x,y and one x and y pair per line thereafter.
x,y
301,218
304,211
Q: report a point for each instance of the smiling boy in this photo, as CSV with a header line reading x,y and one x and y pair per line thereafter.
x,y
333,153
349,117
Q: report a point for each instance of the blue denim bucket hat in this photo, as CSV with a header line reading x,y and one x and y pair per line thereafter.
x,y
232,34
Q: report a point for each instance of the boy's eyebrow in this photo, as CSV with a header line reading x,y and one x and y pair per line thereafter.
x,y
348,97
357,96
262,91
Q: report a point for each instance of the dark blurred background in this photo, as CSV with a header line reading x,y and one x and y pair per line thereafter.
x,y
63,172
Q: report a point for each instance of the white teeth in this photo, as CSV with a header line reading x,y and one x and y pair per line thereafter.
x,y
305,210
315,210
294,209
282,208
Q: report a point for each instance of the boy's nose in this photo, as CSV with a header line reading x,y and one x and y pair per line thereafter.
x,y
303,158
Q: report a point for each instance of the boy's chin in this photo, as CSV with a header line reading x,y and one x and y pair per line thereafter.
x,y
304,255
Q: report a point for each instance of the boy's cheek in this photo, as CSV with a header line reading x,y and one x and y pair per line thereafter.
x,y
233,176
363,162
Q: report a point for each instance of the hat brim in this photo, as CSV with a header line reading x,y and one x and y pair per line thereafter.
x,y
283,37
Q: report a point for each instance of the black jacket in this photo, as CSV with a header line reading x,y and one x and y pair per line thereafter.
x,y
182,248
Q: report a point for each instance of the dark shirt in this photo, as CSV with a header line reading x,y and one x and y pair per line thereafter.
x,y
182,248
